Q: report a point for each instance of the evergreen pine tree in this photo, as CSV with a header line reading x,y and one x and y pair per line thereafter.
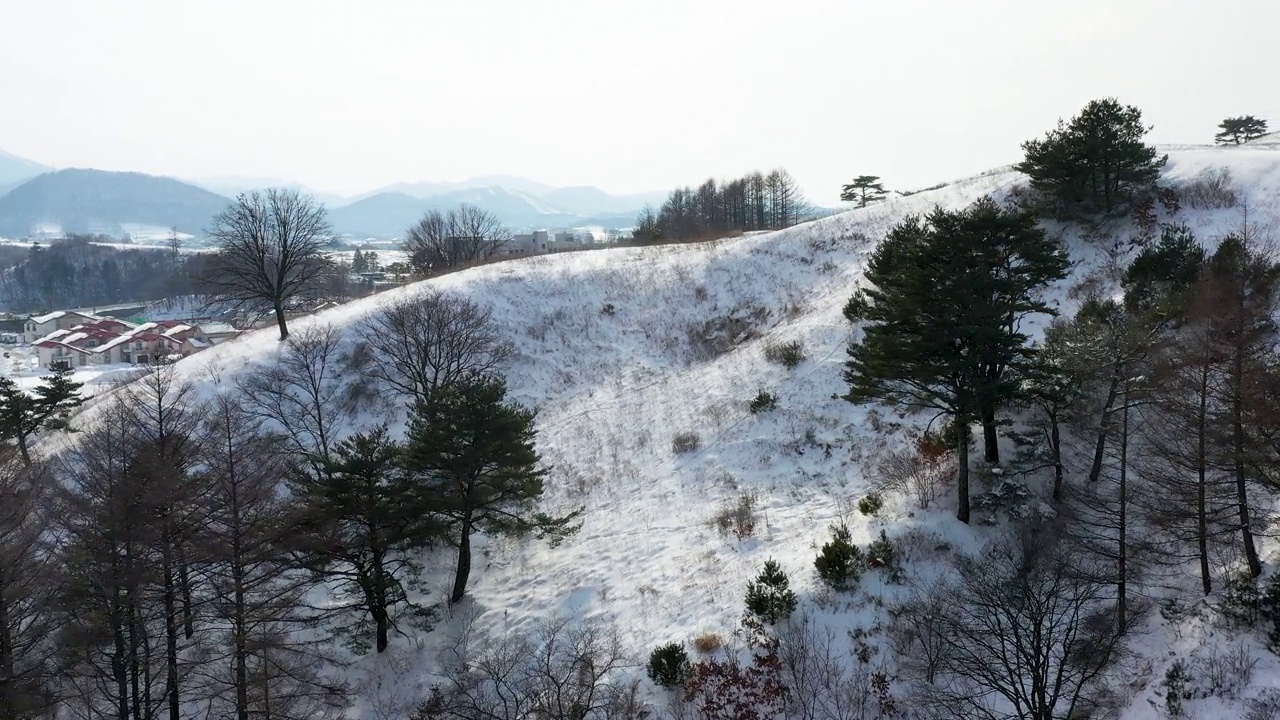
x,y
359,263
474,458
1161,280
942,314
769,596
1097,163
360,518
840,563
23,414
1239,130
864,190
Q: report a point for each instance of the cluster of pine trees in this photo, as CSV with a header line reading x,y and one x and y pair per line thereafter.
x,y
1156,412
167,559
755,202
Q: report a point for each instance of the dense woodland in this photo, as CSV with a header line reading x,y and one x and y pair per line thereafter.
x,y
166,560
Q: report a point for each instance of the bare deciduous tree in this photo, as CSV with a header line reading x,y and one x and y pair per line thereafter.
x,y
558,671
420,343
115,664
450,239
1026,634
269,251
29,583
260,660
304,394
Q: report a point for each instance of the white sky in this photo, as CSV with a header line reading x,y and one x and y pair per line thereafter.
x,y
629,96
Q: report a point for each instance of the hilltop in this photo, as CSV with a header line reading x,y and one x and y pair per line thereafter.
x,y
613,352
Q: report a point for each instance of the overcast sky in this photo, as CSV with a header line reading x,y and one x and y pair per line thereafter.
x,y
628,96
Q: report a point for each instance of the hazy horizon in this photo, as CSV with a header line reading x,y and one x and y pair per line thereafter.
x,y
344,98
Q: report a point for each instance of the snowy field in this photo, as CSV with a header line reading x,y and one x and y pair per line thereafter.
x,y
613,388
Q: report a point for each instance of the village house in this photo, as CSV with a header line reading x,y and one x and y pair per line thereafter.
x,y
104,341
38,326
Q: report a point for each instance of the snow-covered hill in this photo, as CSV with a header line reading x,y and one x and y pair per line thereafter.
x,y
613,387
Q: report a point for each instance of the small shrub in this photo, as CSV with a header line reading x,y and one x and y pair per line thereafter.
x,y
700,293
685,443
882,554
608,309
840,563
1241,601
740,518
1175,689
1211,189
669,665
870,504
769,596
920,471
764,401
708,643
1264,707
787,355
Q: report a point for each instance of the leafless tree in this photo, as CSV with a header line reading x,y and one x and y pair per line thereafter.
x,y
1026,633
261,660
304,394
823,678
115,666
29,583
269,251
465,234
419,343
919,471
561,671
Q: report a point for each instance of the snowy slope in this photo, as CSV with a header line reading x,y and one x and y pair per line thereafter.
x,y
613,389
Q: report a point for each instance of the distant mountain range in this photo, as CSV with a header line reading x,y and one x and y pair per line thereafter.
x,y
104,202
35,199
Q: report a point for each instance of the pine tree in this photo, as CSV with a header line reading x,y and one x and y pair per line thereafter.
x,y
23,414
1239,130
359,263
864,190
769,596
474,458
1162,279
1095,164
942,316
840,563
360,519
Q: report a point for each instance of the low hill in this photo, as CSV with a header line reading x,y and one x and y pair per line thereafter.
x,y
613,390
96,201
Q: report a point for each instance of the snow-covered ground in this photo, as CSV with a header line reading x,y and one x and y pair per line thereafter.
x,y
613,388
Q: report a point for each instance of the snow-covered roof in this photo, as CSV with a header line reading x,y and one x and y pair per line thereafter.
x,y
218,328
56,334
50,317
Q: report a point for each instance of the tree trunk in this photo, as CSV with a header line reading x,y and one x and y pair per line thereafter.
x,y
1202,519
383,626
1242,495
8,686
1100,447
22,449
962,471
119,669
464,556
171,636
284,328
1055,451
990,439
1122,554
184,582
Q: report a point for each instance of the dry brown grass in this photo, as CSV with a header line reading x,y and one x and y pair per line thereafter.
x,y
708,643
